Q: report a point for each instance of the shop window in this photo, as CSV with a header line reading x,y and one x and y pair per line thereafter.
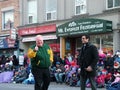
x,y
51,10
78,43
103,41
80,7
7,20
99,40
113,4
67,44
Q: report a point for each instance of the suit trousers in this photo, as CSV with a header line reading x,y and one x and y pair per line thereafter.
x,y
83,80
42,78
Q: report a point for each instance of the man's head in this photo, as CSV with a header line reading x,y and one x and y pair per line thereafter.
x,y
39,40
85,38
57,64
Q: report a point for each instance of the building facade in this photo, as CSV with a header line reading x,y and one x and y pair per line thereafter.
x,y
34,22
9,21
36,14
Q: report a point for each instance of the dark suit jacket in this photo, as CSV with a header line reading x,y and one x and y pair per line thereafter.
x,y
88,57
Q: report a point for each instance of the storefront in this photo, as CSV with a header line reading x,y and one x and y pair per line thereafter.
x,y
8,47
27,35
99,30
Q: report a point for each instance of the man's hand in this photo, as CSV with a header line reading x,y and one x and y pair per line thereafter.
x,y
36,48
89,69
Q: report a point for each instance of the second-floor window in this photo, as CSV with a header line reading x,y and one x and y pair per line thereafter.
x,y
113,4
32,11
51,10
80,7
7,20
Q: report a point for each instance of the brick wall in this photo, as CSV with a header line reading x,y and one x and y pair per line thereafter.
x,y
7,4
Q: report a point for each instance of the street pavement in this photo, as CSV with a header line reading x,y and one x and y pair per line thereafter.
x,y
53,86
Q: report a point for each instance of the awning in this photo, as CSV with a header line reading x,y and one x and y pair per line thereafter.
x,y
45,37
84,26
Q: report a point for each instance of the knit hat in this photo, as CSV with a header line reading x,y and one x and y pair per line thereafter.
x,y
117,74
108,76
109,54
73,63
58,63
116,65
66,67
118,52
104,71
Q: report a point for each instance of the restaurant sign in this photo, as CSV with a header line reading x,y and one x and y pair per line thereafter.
x,y
37,30
83,26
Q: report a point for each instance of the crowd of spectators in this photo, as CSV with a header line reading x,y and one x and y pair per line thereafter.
x,y
11,71
64,70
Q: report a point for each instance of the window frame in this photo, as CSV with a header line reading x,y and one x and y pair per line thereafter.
x,y
51,11
82,11
52,18
113,6
32,14
3,20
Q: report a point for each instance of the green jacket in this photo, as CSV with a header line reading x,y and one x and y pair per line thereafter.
x,y
41,58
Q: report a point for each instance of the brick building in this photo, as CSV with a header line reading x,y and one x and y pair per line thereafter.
x,y
9,20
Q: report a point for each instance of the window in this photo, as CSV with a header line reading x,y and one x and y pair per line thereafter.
x,y
80,7
68,47
7,20
103,41
3,0
32,11
78,43
30,19
51,9
113,4
117,3
51,15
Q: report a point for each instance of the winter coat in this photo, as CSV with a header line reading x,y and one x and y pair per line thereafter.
x,y
88,57
41,58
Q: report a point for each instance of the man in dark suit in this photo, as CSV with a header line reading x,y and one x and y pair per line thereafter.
x,y
88,61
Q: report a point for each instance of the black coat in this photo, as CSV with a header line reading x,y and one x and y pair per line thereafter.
x,y
88,57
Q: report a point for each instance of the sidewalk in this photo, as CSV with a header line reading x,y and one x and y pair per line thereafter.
x,y
67,87
53,86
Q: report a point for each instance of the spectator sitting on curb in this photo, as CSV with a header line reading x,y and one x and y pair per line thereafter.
x,y
30,79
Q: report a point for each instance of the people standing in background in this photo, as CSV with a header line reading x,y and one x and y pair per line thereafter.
x,y
3,59
88,62
69,57
21,60
66,61
56,58
26,61
41,58
77,53
109,63
15,62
